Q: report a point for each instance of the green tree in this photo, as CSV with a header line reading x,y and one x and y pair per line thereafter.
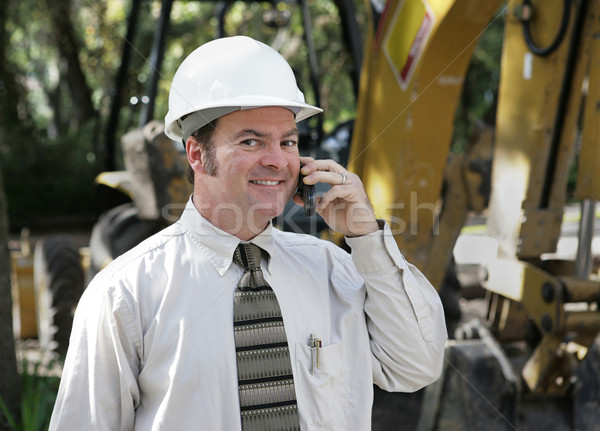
x,y
480,90
58,81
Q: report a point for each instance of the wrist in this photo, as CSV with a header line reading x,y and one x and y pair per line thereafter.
x,y
364,228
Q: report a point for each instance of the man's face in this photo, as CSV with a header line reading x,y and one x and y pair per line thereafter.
x,y
257,163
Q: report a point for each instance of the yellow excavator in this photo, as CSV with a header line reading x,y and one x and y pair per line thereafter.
x,y
531,360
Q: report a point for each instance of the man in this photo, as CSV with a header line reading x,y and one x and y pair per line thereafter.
x,y
157,340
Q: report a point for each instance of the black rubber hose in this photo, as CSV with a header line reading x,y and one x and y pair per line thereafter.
x,y
563,101
564,24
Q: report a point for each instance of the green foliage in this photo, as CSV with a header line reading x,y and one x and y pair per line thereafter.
x,y
480,89
50,179
194,23
50,159
37,401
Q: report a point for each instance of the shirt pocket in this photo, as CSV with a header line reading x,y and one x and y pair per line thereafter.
x,y
323,394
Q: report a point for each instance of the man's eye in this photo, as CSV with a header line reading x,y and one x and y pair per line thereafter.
x,y
289,144
250,142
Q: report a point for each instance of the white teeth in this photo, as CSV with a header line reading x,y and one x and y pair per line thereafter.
x,y
266,183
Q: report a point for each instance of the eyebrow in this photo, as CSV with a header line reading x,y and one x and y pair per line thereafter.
x,y
259,134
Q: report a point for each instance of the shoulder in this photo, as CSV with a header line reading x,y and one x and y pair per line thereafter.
x,y
133,261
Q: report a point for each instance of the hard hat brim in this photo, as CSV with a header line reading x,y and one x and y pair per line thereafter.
x,y
209,113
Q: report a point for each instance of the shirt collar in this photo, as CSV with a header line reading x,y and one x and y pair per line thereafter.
x,y
219,245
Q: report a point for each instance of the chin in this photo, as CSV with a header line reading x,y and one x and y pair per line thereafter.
x,y
270,212
272,204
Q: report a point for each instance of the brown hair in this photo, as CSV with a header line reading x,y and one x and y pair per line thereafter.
x,y
203,137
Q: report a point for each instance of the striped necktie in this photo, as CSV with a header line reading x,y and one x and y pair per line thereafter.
x,y
266,385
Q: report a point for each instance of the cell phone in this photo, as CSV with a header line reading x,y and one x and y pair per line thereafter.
x,y
308,194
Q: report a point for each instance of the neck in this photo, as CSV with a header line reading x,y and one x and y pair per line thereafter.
x,y
232,220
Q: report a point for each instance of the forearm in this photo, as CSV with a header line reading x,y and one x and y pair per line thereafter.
x,y
405,317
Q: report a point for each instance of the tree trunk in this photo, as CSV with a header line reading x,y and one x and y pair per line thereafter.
x,y
10,383
69,47
8,86
10,389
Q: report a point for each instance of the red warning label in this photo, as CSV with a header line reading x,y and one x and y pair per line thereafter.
x,y
406,38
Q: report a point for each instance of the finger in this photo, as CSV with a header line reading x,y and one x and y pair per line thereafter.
x,y
308,165
328,165
331,195
305,160
332,178
298,200
311,165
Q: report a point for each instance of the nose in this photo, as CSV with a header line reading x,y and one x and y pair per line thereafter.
x,y
274,157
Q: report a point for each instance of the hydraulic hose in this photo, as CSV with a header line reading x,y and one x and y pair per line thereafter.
x,y
563,100
564,24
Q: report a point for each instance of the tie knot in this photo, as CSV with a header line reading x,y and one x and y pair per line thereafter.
x,y
248,256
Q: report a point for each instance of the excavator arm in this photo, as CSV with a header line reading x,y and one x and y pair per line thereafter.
x,y
541,317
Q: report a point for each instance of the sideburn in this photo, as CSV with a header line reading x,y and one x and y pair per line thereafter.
x,y
211,165
203,137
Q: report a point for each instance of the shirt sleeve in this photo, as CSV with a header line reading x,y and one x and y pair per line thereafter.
x,y
405,317
98,388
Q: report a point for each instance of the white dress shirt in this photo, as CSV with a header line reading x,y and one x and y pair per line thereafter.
x,y
152,345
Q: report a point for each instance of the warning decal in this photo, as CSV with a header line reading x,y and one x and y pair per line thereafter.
x,y
406,37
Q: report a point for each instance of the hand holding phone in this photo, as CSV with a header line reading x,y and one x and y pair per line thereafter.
x,y
308,194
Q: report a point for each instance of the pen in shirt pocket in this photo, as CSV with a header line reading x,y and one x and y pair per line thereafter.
x,y
315,344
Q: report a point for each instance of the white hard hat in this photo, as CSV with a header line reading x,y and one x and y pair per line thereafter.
x,y
226,75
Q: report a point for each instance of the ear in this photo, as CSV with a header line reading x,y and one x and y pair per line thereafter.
x,y
194,155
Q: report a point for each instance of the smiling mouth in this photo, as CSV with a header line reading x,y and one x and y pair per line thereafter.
x,y
266,183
